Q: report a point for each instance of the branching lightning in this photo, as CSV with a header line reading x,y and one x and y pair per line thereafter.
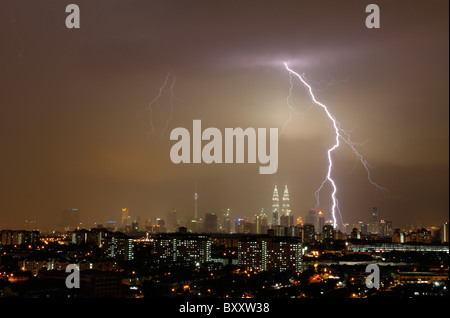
x,y
323,83
171,107
291,107
340,134
155,101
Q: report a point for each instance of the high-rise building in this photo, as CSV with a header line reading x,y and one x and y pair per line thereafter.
x,y
148,224
183,248
70,219
275,207
125,217
328,233
195,206
109,225
172,221
12,237
284,220
284,254
320,222
385,228
279,230
310,217
252,254
160,226
249,227
135,226
444,232
287,220
267,253
364,228
210,225
292,231
375,220
261,223
227,218
358,226
239,225
308,233
419,236
356,234
286,202
435,233
398,236
346,228
93,236
119,246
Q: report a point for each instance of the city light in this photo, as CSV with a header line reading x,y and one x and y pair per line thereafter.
x,y
131,129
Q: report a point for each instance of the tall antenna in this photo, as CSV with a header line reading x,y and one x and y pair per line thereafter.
x,y
195,202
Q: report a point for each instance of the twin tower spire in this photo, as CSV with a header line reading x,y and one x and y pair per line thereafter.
x,y
286,207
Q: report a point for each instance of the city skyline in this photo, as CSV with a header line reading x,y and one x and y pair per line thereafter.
x,y
77,134
221,157
67,221
371,219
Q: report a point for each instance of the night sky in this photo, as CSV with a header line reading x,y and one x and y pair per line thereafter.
x,y
75,132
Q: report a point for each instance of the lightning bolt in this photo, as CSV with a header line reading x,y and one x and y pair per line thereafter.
x,y
291,107
340,134
324,83
155,101
172,95
289,103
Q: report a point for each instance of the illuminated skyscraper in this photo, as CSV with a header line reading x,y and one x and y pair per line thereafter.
x,y
275,207
286,203
125,217
308,233
375,220
181,247
9,237
195,206
385,228
261,254
328,233
398,236
444,232
118,246
135,225
261,223
320,222
239,225
148,224
227,218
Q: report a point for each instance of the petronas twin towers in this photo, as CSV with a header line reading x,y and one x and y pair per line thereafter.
x,y
286,207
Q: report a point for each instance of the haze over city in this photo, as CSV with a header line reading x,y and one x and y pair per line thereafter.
x,y
76,131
